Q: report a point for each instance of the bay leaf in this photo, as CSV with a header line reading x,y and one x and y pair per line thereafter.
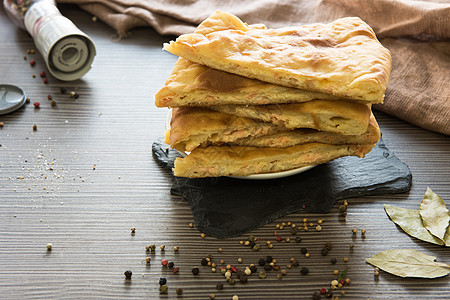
x,y
409,263
434,213
411,222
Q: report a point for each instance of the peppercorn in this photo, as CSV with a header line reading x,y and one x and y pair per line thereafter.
x,y
49,247
179,291
34,127
294,230
176,248
354,231
335,282
307,255
283,272
333,260
222,261
336,272
329,294
316,295
267,268
304,270
253,269
62,90
45,80
32,62
269,259
323,291
304,250
342,292
363,233
175,270
162,247
295,263
235,297
261,262
243,279
27,100
227,274
128,274
345,259
170,264
347,280
251,244
376,273
162,281
257,247
204,262
213,270
279,276
298,239
324,251
164,262
36,104
262,275
195,271
239,273
220,250
153,247
219,286
247,271
147,260
53,103
351,246
212,296
231,281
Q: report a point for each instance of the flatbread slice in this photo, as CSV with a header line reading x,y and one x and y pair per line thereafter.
x,y
192,84
339,116
304,136
342,58
215,161
191,127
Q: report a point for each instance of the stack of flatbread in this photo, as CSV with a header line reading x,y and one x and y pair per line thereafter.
x,y
250,100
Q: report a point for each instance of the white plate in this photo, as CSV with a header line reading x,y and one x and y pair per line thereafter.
x,y
263,176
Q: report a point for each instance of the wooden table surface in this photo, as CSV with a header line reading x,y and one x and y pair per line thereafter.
x,y
50,192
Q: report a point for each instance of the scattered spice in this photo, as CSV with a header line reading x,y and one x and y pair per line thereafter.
x,y
195,271
162,281
163,289
53,103
170,264
203,235
36,105
175,270
345,259
128,274
212,296
176,248
34,127
27,100
333,260
179,291
2,124
42,74
32,62
219,286
316,295
164,262
147,260
304,270
49,247
62,90
49,97
162,247
45,80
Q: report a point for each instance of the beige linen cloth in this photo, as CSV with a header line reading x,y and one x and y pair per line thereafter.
x,y
416,32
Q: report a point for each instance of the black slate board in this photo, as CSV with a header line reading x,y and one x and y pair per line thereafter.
x,y
225,207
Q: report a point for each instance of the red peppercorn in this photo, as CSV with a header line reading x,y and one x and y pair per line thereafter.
x,y
234,269
279,238
175,270
323,291
164,262
342,281
42,74
32,62
36,104
45,80
49,97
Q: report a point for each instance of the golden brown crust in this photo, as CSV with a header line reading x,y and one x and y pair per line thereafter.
x,y
342,58
338,116
227,160
192,84
304,136
191,127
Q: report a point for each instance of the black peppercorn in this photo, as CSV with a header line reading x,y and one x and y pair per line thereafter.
x,y
162,281
329,294
324,251
333,260
179,291
267,267
294,231
204,261
170,265
253,269
240,273
316,295
195,271
329,245
304,250
62,90
304,270
295,263
219,286
243,279
269,259
298,239
128,274
261,262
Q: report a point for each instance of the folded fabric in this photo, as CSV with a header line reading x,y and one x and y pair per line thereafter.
x,y
313,57
418,90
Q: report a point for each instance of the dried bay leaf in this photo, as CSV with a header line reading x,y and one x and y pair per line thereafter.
x,y
411,222
434,213
409,263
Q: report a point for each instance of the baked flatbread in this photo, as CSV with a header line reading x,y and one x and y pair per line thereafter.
x,y
191,127
339,116
215,161
192,84
304,136
342,58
